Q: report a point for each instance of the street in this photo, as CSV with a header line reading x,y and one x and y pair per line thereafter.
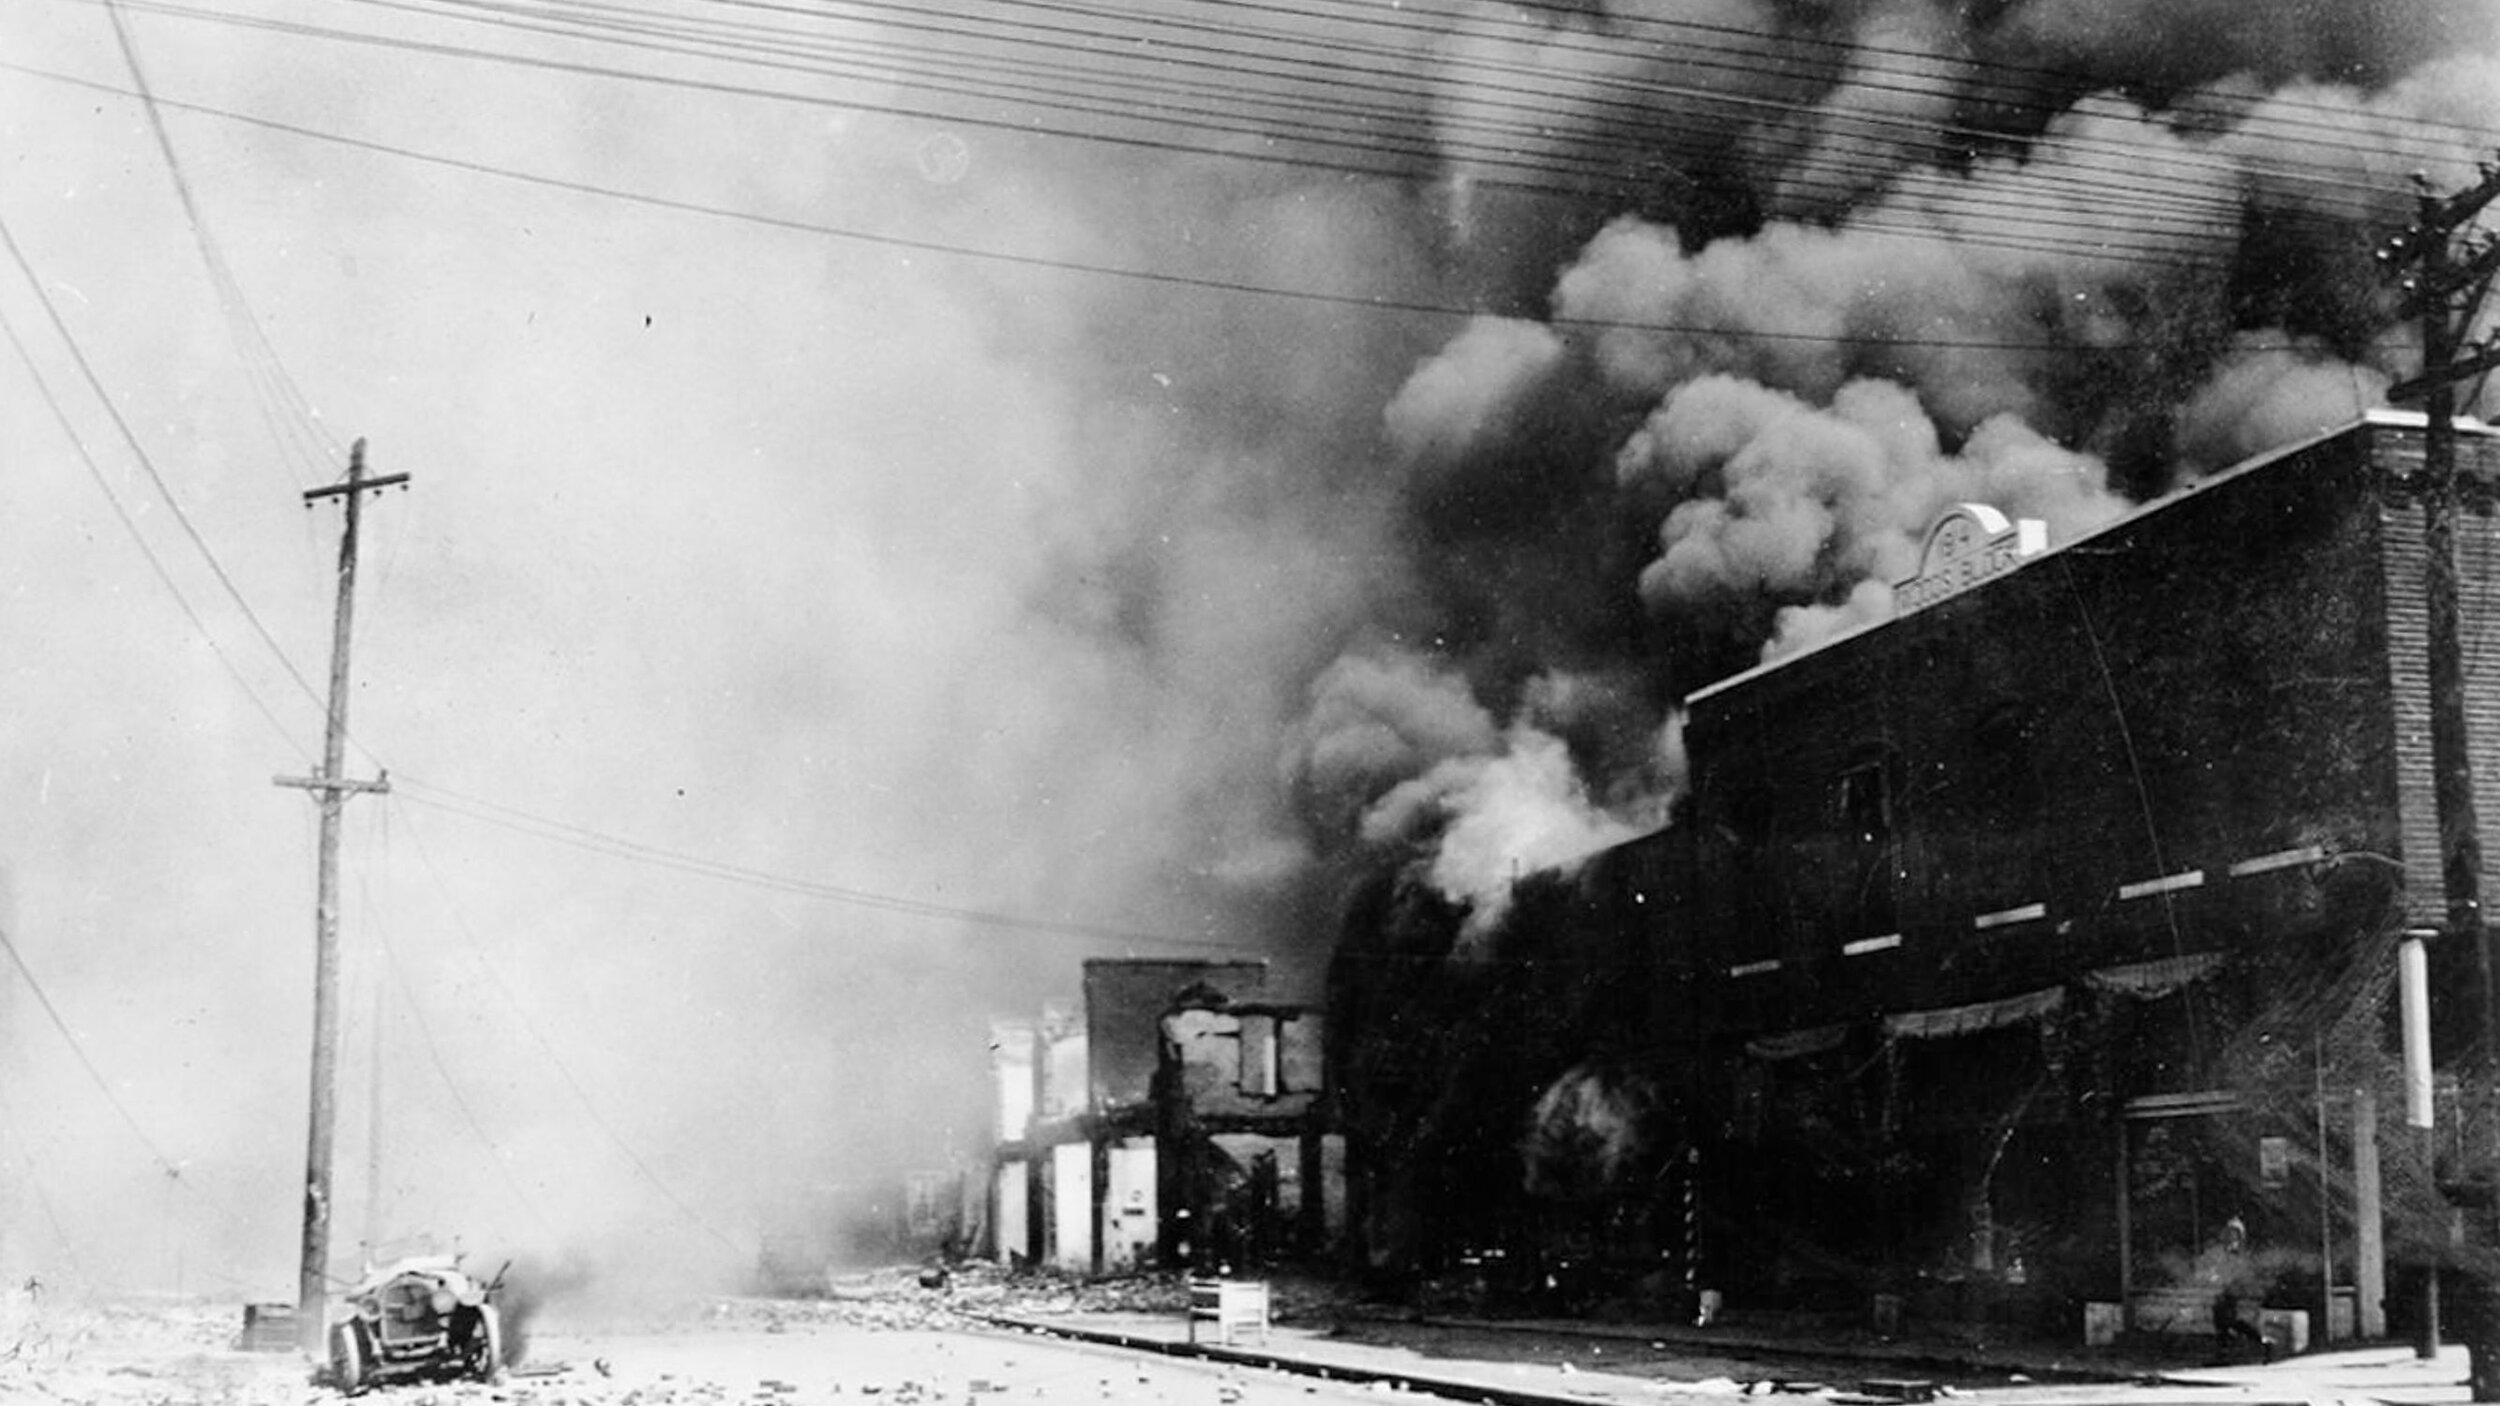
x,y
733,1351
894,1346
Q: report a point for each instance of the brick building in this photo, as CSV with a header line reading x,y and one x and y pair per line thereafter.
x,y
2028,950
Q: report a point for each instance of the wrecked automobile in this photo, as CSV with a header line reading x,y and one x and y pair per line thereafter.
x,y
417,1318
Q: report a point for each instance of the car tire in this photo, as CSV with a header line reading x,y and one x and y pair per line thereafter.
x,y
349,1359
486,1344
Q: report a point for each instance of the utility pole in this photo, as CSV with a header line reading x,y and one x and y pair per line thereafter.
x,y
330,789
2445,287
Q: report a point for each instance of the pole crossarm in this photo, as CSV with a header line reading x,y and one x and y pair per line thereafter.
x,y
358,485
2462,369
380,786
2446,214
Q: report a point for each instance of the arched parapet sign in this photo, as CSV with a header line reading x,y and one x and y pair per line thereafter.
x,y
1967,544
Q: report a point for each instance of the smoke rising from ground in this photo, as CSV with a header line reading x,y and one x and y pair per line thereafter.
x,y
1017,589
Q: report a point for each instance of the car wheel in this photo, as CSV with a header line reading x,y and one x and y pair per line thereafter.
x,y
348,1358
486,1344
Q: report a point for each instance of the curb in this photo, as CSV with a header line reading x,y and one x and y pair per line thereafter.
x,y
1327,1371
1735,1340
2194,1393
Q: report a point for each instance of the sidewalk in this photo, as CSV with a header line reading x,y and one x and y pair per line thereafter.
x,y
1571,1363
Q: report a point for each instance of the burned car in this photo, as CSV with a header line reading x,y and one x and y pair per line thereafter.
x,y
417,1318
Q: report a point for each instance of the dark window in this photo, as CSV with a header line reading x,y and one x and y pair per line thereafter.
x,y
1864,802
2003,739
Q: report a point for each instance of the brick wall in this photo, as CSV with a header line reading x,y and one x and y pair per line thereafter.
x,y
2135,746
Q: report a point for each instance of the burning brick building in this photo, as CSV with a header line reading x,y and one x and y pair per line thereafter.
x,y
2027,951
1179,1120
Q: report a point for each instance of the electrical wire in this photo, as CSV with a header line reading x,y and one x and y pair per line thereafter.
x,y
1364,67
442,1071
617,847
33,1182
291,423
791,224
2117,189
2105,245
2031,76
1635,151
130,526
78,1047
1637,139
555,1061
1969,74
147,463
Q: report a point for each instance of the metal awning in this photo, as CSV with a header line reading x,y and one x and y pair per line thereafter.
x,y
2147,980
2196,1103
1796,1044
1973,1019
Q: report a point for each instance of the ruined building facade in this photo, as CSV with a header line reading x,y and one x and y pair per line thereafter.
x,y
1176,1120
2027,954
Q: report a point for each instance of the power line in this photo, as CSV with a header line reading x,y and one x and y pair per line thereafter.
x,y
1635,103
1571,40
791,224
130,526
617,847
1634,90
2128,190
34,1183
614,846
442,1071
1637,149
2132,190
266,374
2331,118
555,1061
77,1047
95,384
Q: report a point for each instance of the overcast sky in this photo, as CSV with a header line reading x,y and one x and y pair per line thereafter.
x,y
873,547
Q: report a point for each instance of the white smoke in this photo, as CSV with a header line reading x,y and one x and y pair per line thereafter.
x,y
2272,391
1971,288
1473,390
1499,818
1378,719
1899,87
1401,752
1782,502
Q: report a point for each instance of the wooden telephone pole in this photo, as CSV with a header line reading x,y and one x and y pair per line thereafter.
x,y
2445,287
331,788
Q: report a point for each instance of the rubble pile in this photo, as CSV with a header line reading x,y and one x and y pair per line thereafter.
x,y
987,1290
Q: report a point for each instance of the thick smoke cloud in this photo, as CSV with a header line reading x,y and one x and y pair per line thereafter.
x,y
1820,272
1781,501
2170,46
1027,590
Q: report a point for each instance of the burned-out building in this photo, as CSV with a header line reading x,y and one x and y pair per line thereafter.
x,y
1177,1120
2028,953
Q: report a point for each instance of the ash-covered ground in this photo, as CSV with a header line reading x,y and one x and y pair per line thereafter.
x,y
880,1338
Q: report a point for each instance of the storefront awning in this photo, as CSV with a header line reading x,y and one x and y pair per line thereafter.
x,y
1796,1044
1973,1019
2147,980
